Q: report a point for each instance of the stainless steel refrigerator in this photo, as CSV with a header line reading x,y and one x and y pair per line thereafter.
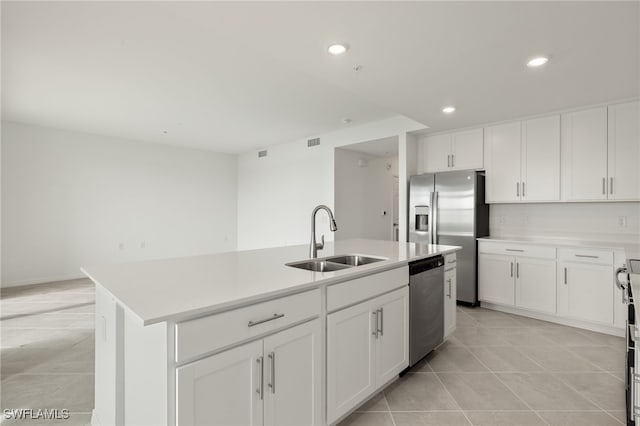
x,y
448,208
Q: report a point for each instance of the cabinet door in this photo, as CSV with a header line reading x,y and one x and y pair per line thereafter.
x,y
436,153
584,136
467,149
502,162
223,389
536,284
496,278
585,292
350,368
392,343
541,159
292,377
624,151
449,301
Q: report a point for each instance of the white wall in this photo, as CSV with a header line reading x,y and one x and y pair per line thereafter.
x,y
585,221
71,199
277,193
363,191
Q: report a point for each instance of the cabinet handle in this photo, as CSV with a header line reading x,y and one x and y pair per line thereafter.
x,y
451,261
511,269
274,317
449,160
565,276
381,318
518,250
259,391
610,185
517,269
272,385
587,256
604,186
453,160
375,321
517,189
449,295
523,189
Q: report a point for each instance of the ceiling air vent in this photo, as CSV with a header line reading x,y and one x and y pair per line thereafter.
x,y
313,142
262,153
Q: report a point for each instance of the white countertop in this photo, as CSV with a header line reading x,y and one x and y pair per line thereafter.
x,y
632,250
171,289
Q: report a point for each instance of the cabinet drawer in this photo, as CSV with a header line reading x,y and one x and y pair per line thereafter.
x,y
586,255
516,249
450,262
207,334
354,291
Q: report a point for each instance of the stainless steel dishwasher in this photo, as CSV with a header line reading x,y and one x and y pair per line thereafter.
x,y
426,307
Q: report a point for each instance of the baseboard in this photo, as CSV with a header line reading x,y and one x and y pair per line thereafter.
x,y
42,280
600,328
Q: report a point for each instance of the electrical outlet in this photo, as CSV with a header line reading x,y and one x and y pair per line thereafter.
x,y
501,220
143,244
622,221
121,246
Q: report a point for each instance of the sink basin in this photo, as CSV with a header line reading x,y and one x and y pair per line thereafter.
x,y
354,259
318,265
335,263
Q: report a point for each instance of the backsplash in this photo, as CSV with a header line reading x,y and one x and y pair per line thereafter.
x,y
585,221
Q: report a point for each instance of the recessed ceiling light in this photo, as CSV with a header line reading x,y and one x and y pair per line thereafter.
x,y
338,48
537,62
448,110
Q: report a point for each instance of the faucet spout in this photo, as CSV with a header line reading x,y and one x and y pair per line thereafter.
x,y
314,246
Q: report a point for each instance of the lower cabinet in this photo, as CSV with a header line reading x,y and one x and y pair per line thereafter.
x,y
523,282
585,292
450,296
367,345
273,381
495,279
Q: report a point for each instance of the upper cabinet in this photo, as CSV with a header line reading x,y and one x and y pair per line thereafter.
x,y
452,151
601,153
584,143
522,161
624,151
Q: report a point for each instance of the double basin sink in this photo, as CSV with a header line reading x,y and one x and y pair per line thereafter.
x,y
335,263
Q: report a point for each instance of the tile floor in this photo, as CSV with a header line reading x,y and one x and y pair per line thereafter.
x,y
498,369
47,350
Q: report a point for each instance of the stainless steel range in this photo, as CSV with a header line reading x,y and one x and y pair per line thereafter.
x,y
632,373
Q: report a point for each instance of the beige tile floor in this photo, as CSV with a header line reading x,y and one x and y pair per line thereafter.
x,y
497,369
500,369
47,350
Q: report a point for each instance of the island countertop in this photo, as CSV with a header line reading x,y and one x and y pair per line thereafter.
x,y
177,288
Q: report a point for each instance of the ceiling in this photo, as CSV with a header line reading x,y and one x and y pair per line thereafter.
x,y
235,76
385,147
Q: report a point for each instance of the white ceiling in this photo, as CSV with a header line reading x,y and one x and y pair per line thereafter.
x,y
236,76
385,147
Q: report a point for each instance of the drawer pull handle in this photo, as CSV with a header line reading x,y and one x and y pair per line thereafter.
x,y
274,317
587,256
451,261
518,250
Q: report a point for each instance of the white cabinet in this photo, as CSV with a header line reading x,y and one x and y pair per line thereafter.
x,y
271,381
523,161
585,292
541,159
450,295
584,140
222,389
453,151
520,281
624,151
536,284
367,345
495,279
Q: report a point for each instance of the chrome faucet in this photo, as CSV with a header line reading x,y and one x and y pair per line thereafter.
x,y
314,247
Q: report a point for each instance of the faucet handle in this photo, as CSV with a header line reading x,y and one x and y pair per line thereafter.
x,y
320,245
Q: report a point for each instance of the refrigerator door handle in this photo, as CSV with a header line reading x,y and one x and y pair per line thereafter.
x,y
435,218
430,225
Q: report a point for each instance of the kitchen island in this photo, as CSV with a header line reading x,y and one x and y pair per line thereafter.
x,y
242,338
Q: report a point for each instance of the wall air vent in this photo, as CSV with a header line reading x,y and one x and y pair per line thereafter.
x,y
313,142
262,153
